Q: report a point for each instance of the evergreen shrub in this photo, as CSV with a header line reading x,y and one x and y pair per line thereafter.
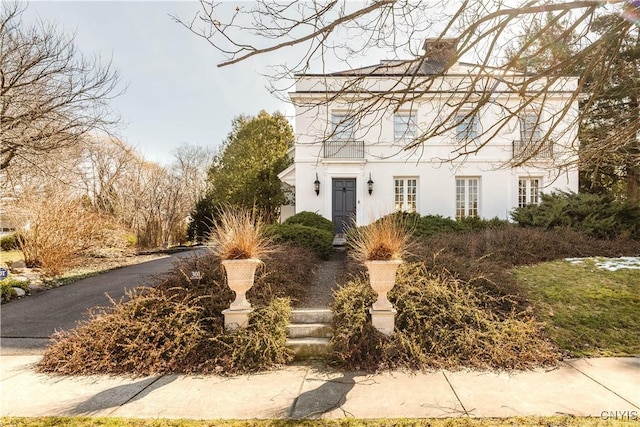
x,y
600,216
8,242
318,240
312,219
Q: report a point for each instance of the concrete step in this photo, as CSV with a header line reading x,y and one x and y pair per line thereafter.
x,y
311,315
310,330
308,348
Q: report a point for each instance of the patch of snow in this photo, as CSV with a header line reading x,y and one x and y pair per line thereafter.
x,y
610,264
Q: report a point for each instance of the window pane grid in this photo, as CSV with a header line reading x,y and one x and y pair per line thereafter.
x,y
460,205
467,126
412,187
473,198
467,197
343,127
528,192
522,193
534,191
406,194
404,126
530,127
399,195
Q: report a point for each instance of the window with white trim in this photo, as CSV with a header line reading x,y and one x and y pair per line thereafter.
x,y
467,197
528,191
530,127
467,126
406,194
404,126
344,127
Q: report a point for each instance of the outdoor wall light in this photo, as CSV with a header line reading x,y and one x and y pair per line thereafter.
x,y
316,185
370,184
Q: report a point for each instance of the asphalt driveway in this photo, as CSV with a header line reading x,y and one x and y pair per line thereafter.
x,y
27,324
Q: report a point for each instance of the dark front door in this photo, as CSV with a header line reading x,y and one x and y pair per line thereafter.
x,y
344,203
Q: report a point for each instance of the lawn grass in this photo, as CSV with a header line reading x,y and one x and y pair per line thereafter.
x,y
587,311
11,256
350,422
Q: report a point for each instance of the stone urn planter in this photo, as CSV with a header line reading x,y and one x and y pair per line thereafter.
x,y
382,276
240,276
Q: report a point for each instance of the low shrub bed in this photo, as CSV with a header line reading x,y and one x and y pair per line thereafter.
x,y
177,326
441,323
8,242
318,240
7,293
484,259
459,301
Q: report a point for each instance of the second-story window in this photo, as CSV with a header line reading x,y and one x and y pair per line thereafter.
x,y
344,127
466,126
404,126
530,127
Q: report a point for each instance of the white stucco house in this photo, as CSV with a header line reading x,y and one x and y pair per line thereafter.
x,y
434,139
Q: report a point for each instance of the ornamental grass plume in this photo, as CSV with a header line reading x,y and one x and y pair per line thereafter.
x,y
239,234
385,239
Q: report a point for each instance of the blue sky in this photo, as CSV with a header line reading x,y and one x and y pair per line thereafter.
x,y
175,93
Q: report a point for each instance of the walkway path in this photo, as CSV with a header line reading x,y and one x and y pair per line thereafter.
x,y
320,291
606,387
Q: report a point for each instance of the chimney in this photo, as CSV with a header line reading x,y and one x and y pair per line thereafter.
x,y
444,50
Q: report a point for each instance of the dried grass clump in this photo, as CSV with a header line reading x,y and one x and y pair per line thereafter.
x,y
239,234
178,326
440,324
384,239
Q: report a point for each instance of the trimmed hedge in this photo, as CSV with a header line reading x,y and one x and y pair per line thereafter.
x,y
430,225
319,241
597,215
311,219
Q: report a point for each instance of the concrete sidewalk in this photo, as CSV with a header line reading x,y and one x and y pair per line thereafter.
x,y
586,387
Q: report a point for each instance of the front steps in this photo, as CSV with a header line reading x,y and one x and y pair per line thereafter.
x,y
310,332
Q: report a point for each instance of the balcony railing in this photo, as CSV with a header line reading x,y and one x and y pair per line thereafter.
x,y
343,149
532,149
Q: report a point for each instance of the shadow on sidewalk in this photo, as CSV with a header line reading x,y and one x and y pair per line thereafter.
x,y
329,396
121,395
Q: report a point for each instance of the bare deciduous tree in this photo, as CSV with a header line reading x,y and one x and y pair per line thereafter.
x,y
191,164
51,96
485,33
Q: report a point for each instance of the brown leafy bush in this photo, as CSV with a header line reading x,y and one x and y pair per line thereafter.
x,y
60,230
440,323
178,327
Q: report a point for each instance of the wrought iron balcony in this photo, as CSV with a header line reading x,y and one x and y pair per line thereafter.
x,y
532,149
343,149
